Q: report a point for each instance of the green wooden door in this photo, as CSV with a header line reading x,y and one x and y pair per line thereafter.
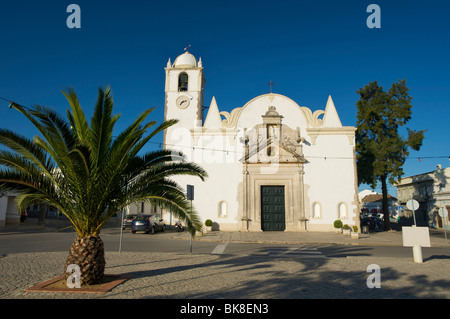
x,y
272,208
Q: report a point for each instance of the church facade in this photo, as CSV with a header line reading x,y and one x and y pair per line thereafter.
x,y
272,164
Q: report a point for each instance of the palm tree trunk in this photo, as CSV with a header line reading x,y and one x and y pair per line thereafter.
x,y
42,212
89,254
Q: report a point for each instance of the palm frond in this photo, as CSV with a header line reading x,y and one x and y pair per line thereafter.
x,y
76,117
79,168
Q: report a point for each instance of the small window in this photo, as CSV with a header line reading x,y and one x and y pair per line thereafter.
x,y
270,151
223,209
142,206
183,81
342,210
316,210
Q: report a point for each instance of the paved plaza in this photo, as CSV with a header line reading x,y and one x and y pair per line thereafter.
x,y
246,276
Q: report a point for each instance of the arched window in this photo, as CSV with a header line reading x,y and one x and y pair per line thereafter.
x,y
183,80
342,210
316,210
223,209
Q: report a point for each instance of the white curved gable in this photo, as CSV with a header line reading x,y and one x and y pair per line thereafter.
x,y
252,111
293,114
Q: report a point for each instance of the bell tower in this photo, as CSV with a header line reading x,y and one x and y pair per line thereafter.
x,y
184,93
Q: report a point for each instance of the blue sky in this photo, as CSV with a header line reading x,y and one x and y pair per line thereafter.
x,y
310,49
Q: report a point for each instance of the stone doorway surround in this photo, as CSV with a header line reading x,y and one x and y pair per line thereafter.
x,y
273,156
291,177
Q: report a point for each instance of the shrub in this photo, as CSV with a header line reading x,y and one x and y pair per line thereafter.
x,y
208,222
355,229
338,224
346,226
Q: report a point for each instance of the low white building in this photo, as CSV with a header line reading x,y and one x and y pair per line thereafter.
x,y
9,213
364,193
373,202
272,164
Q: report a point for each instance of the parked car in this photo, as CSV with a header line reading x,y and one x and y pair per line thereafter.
x,y
127,221
147,223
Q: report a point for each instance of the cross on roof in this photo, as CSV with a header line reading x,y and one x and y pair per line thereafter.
x,y
270,84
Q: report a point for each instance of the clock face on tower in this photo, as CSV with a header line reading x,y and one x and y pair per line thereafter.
x,y
183,102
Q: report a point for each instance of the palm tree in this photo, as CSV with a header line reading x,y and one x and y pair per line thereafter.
x,y
89,174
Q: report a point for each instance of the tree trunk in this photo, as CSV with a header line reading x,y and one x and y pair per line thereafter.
x,y
89,254
385,207
41,214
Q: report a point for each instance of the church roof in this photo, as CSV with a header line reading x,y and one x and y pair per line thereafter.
x,y
185,60
376,198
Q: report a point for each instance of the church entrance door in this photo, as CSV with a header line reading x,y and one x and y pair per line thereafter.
x,y
272,208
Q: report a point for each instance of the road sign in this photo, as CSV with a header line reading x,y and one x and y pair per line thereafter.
x,y
416,237
190,192
443,212
412,204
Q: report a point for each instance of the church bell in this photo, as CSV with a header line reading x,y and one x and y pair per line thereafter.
x,y
183,82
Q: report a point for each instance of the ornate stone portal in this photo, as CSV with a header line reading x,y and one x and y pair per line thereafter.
x,y
273,156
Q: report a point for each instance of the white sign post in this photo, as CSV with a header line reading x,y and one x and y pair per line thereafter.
x,y
444,214
413,205
416,237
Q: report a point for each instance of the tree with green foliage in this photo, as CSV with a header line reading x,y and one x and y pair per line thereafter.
x,y
88,174
381,149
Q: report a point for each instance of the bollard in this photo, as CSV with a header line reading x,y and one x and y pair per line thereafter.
x,y
417,254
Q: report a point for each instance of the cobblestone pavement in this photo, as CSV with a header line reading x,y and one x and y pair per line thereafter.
x,y
246,276
166,275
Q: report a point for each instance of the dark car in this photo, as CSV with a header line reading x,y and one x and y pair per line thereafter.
x,y
127,221
148,224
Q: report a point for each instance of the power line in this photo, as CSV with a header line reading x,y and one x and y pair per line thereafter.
x,y
11,103
320,157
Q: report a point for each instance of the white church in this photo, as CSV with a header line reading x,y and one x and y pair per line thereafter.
x,y
273,165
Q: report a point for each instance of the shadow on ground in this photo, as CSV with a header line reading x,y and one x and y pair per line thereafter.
x,y
256,276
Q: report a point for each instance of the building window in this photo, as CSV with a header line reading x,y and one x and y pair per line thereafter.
x,y
141,206
183,81
223,209
342,211
270,151
316,210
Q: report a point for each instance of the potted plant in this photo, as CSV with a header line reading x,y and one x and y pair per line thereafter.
x,y
208,224
338,226
346,230
355,233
